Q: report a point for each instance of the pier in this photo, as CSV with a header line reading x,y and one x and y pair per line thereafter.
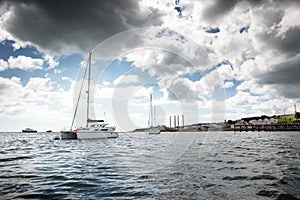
x,y
267,127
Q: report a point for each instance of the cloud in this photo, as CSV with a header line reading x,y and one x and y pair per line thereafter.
x,y
216,9
157,40
24,63
59,26
11,89
64,78
160,61
36,103
36,91
228,84
3,65
284,77
21,62
179,88
126,79
52,63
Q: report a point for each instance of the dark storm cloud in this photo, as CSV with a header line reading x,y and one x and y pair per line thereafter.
x,y
284,73
284,77
220,8
57,25
288,43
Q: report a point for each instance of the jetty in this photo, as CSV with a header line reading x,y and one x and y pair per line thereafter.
x,y
267,127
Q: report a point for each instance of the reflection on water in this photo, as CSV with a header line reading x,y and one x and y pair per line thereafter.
x,y
207,165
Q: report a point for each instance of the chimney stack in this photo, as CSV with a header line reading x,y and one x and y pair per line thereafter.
x,y
174,121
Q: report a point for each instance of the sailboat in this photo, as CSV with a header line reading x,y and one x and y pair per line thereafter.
x,y
152,130
94,129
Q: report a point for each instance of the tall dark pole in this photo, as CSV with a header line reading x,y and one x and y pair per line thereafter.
x,y
151,113
88,89
174,121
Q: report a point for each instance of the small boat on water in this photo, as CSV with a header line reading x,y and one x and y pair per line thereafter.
x,y
152,129
49,131
29,130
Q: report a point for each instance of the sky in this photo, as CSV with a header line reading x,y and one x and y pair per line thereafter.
x,y
209,60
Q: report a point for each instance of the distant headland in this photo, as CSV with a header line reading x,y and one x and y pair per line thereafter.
x,y
284,122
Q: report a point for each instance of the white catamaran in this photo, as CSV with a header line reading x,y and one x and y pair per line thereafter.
x,y
152,130
94,129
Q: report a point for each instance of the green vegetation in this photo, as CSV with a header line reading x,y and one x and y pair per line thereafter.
x,y
286,118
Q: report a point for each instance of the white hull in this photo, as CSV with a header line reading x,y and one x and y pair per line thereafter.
x,y
153,131
64,135
83,135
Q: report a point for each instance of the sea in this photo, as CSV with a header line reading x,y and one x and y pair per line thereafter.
x,y
178,165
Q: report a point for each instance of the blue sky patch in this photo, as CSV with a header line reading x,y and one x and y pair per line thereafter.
x,y
212,30
196,76
7,50
244,29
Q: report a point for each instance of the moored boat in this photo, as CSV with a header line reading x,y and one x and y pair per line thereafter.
x,y
152,129
29,130
94,129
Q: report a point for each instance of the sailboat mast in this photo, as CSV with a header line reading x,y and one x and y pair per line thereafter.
x,y
88,89
154,110
151,113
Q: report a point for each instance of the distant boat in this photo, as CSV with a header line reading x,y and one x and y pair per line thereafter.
x,y
49,131
29,130
152,130
94,129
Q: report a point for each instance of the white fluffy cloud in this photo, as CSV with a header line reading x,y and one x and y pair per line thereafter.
x,y
36,102
27,63
3,65
52,63
126,79
22,62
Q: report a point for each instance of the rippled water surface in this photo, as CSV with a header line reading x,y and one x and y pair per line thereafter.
x,y
206,165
